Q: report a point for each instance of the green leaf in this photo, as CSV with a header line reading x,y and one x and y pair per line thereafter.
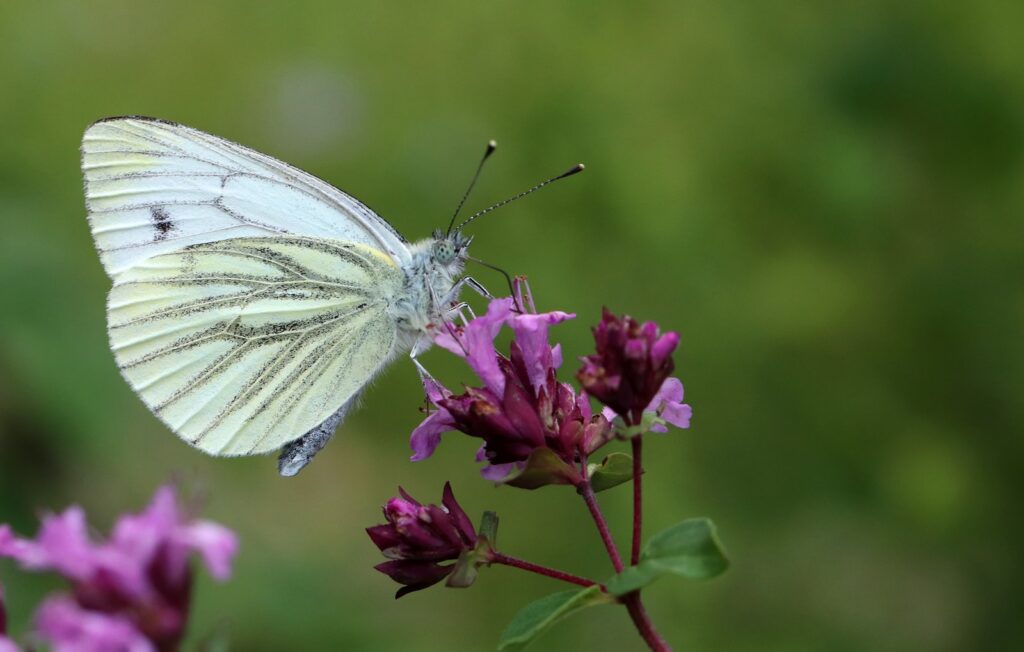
x,y
690,549
611,472
543,467
538,616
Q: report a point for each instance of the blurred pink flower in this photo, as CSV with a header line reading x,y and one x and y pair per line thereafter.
x,y
130,592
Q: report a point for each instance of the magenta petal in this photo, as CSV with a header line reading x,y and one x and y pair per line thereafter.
x,y
138,536
414,574
678,414
663,347
668,403
384,536
583,403
427,435
498,472
63,545
7,645
458,515
20,550
69,628
479,342
670,391
445,340
532,337
556,356
434,390
216,544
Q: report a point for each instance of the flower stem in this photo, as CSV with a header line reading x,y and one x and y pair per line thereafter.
x,y
638,508
602,526
643,623
632,600
505,560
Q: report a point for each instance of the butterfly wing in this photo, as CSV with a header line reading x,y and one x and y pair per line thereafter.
x,y
243,345
153,186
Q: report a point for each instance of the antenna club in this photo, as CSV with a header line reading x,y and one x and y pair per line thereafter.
x,y
579,167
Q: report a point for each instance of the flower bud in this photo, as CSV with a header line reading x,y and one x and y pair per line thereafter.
x,y
630,366
416,538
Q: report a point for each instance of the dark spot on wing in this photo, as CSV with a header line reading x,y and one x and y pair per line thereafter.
x,y
161,222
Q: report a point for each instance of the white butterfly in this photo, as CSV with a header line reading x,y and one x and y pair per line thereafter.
x,y
252,301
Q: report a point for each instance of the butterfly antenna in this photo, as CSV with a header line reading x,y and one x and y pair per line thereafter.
x,y
491,146
568,173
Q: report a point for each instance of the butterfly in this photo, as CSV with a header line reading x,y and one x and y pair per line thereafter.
x,y
251,301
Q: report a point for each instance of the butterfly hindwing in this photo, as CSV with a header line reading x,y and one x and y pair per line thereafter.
x,y
244,344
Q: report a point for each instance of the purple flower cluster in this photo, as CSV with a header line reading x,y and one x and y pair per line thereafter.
x,y
130,592
535,429
630,372
521,406
417,537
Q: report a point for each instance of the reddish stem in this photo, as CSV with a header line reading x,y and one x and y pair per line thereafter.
x,y
638,509
643,623
602,526
505,560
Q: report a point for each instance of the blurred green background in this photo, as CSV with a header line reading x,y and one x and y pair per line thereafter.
x,y
825,199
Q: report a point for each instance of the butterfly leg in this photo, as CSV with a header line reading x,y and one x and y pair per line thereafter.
x,y
474,285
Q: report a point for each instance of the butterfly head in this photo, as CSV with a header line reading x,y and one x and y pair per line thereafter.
x,y
449,249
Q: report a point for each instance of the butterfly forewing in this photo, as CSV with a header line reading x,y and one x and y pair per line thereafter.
x,y
155,186
245,344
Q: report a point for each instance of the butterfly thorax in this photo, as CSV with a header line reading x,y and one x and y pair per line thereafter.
x,y
429,291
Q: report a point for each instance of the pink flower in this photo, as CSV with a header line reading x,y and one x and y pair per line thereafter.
x,y
135,586
630,372
521,407
71,628
416,538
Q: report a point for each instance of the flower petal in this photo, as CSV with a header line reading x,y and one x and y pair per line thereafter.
x,y
216,544
663,347
531,332
457,514
69,628
498,472
668,403
479,341
62,545
427,435
414,574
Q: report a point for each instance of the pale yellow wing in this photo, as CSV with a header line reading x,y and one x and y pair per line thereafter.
x,y
243,345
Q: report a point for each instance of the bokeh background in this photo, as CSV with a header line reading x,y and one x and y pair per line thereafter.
x,y
825,199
